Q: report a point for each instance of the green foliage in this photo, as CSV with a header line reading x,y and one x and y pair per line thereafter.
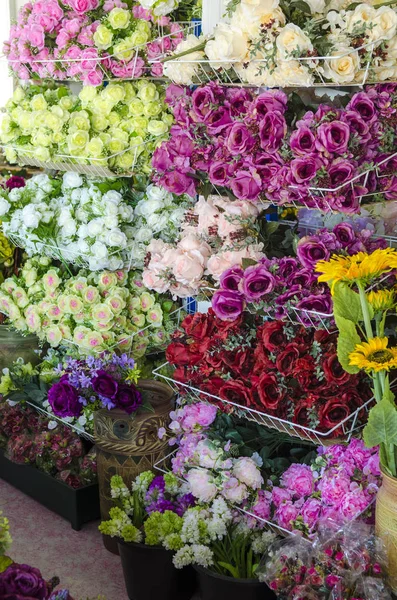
x,y
347,304
382,424
159,527
347,341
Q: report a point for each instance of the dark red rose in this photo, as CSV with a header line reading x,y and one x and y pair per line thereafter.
x,y
332,413
272,335
180,354
104,385
212,385
302,410
333,370
199,325
181,374
261,361
238,361
236,392
214,360
286,359
270,394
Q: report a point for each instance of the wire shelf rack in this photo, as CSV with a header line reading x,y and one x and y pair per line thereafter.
x,y
64,254
341,432
231,72
162,467
51,68
92,167
78,429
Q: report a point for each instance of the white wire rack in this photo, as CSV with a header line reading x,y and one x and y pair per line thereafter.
x,y
64,254
50,68
92,167
343,431
230,72
162,466
78,429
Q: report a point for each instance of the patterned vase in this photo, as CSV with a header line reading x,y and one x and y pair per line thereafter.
x,y
386,524
126,445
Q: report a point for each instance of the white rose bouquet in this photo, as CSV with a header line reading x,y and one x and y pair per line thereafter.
x,y
93,311
117,127
275,43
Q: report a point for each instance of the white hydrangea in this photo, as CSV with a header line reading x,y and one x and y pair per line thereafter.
x,y
202,555
183,557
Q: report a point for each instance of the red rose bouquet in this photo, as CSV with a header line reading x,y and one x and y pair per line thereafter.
x,y
283,370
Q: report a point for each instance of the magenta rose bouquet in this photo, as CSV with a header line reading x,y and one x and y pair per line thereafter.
x,y
21,582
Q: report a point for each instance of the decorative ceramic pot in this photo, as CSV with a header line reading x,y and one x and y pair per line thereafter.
x,y
386,523
127,445
217,587
150,574
14,345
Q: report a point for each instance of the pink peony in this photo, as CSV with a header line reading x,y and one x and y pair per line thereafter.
x,y
201,484
286,514
299,480
261,507
280,495
234,491
334,488
353,503
247,471
311,511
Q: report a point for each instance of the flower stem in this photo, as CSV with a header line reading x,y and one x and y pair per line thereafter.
x,y
197,48
365,309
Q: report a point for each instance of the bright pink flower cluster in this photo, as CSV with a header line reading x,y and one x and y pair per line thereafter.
x,y
239,140
340,485
54,39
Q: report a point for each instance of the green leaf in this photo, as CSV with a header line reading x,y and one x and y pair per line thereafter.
x,y
353,5
348,339
347,303
248,262
16,396
37,396
232,570
5,562
382,425
303,6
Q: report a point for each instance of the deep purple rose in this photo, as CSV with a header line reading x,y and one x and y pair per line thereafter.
x,y
310,251
348,201
179,183
162,160
239,139
64,399
286,267
22,581
272,130
321,303
227,305
203,102
217,120
302,141
218,173
356,124
180,145
341,171
239,99
258,281
267,165
231,278
128,398
304,169
173,93
362,104
333,137
15,182
344,233
104,385
304,278
270,101
246,185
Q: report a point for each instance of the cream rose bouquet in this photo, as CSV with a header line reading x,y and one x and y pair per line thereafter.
x,y
92,311
117,127
275,43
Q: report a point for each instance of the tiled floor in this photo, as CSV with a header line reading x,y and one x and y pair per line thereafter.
x,y
46,541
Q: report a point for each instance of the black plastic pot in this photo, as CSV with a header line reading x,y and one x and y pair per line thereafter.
x,y
219,587
149,574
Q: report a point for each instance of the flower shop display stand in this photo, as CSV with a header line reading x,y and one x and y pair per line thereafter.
x,y
78,506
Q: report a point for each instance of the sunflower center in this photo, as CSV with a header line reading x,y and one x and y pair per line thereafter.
x,y
381,356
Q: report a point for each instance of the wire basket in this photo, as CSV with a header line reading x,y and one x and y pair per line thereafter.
x,y
76,428
342,432
64,254
92,167
47,68
230,72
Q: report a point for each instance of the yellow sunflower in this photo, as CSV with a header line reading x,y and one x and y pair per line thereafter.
x,y
382,300
359,267
374,355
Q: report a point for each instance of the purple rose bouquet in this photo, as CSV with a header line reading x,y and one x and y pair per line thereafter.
x,y
282,284
229,137
21,582
92,383
340,484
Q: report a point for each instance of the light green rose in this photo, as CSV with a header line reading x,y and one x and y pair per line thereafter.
x,y
87,94
38,102
114,93
42,154
80,121
103,37
157,127
119,18
152,109
66,103
78,141
95,147
148,93
155,315
138,38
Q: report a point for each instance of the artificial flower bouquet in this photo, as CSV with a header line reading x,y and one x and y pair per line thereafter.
x,y
215,233
345,563
275,368
328,159
116,127
361,308
340,484
285,44
91,311
91,40
287,287
150,512
30,438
